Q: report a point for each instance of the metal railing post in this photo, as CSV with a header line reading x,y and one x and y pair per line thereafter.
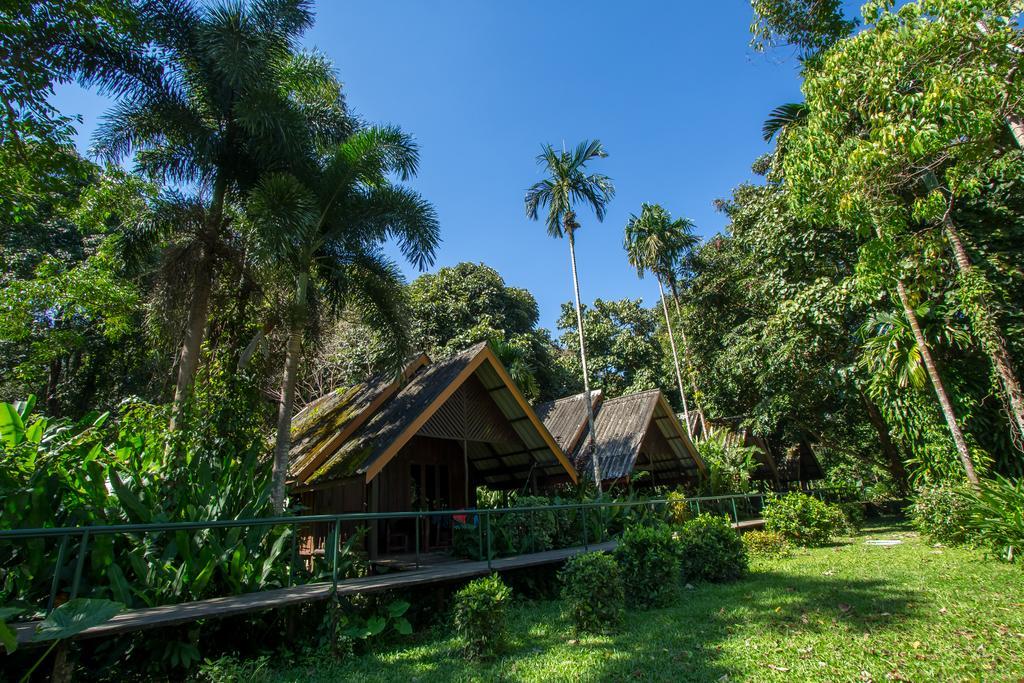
x,y
487,520
83,549
334,557
735,515
416,521
583,513
480,535
294,554
533,531
55,584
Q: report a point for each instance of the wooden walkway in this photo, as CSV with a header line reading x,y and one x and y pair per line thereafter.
x,y
216,608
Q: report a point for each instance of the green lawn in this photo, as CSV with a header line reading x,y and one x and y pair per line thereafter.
x,y
849,612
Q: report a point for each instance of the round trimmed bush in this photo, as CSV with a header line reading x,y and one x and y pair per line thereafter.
x,y
592,591
711,550
649,559
802,519
479,613
765,544
942,513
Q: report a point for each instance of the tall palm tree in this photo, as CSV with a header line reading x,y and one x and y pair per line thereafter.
x,y
568,184
655,242
232,102
321,228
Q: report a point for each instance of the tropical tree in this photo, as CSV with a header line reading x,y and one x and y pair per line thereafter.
x,y
231,102
899,156
322,227
656,243
567,185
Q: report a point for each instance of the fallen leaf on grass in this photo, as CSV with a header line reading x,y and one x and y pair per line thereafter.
x,y
844,608
943,610
828,572
773,667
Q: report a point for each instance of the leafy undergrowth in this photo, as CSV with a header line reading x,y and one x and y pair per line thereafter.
x,y
847,612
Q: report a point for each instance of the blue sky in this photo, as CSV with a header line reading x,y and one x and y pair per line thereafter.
x,y
671,88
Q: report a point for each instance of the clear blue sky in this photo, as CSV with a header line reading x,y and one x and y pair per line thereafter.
x,y
671,88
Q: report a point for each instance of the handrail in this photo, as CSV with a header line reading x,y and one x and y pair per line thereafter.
x,y
153,527
83,534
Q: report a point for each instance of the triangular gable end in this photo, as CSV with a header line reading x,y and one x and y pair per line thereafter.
x,y
480,355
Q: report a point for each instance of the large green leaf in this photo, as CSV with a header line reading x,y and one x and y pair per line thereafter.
x,y
12,428
25,407
75,616
8,638
403,626
398,608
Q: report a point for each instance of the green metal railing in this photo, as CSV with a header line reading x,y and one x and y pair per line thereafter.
x,y
738,507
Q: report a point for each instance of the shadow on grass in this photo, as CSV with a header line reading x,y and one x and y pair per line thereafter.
x,y
694,640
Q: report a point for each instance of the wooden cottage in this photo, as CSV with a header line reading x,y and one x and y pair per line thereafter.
x,y
634,433
424,441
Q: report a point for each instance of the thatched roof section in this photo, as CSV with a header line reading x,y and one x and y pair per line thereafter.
x,y
468,395
322,425
634,432
566,418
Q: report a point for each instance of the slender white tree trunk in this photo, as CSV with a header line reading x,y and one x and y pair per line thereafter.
x,y
940,388
284,413
986,327
686,358
675,358
591,441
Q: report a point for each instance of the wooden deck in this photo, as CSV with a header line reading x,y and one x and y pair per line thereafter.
x,y
216,608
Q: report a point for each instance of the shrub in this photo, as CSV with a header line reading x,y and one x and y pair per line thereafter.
x,y
677,509
802,519
592,591
479,612
853,512
711,550
997,516
942,514
649,559
766,544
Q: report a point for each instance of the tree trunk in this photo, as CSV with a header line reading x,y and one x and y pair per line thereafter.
x,y
986,327
889,450
188,359
284,412
1016,125
591,441
686,358
52,384
675,359
937,384
199,309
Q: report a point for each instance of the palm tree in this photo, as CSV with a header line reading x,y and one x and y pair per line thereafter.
x,y
566,185
322,227
232,101
656,243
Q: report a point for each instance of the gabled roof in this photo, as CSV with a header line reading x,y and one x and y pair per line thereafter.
x,y
624,428
800,464
320,428
388,424
566,418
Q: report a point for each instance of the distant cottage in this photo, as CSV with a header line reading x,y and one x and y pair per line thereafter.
x,y
634,433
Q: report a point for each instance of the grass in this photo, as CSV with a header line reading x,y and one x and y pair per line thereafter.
x,y
847,612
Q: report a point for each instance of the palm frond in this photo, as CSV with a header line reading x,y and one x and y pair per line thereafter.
x,y
782,117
